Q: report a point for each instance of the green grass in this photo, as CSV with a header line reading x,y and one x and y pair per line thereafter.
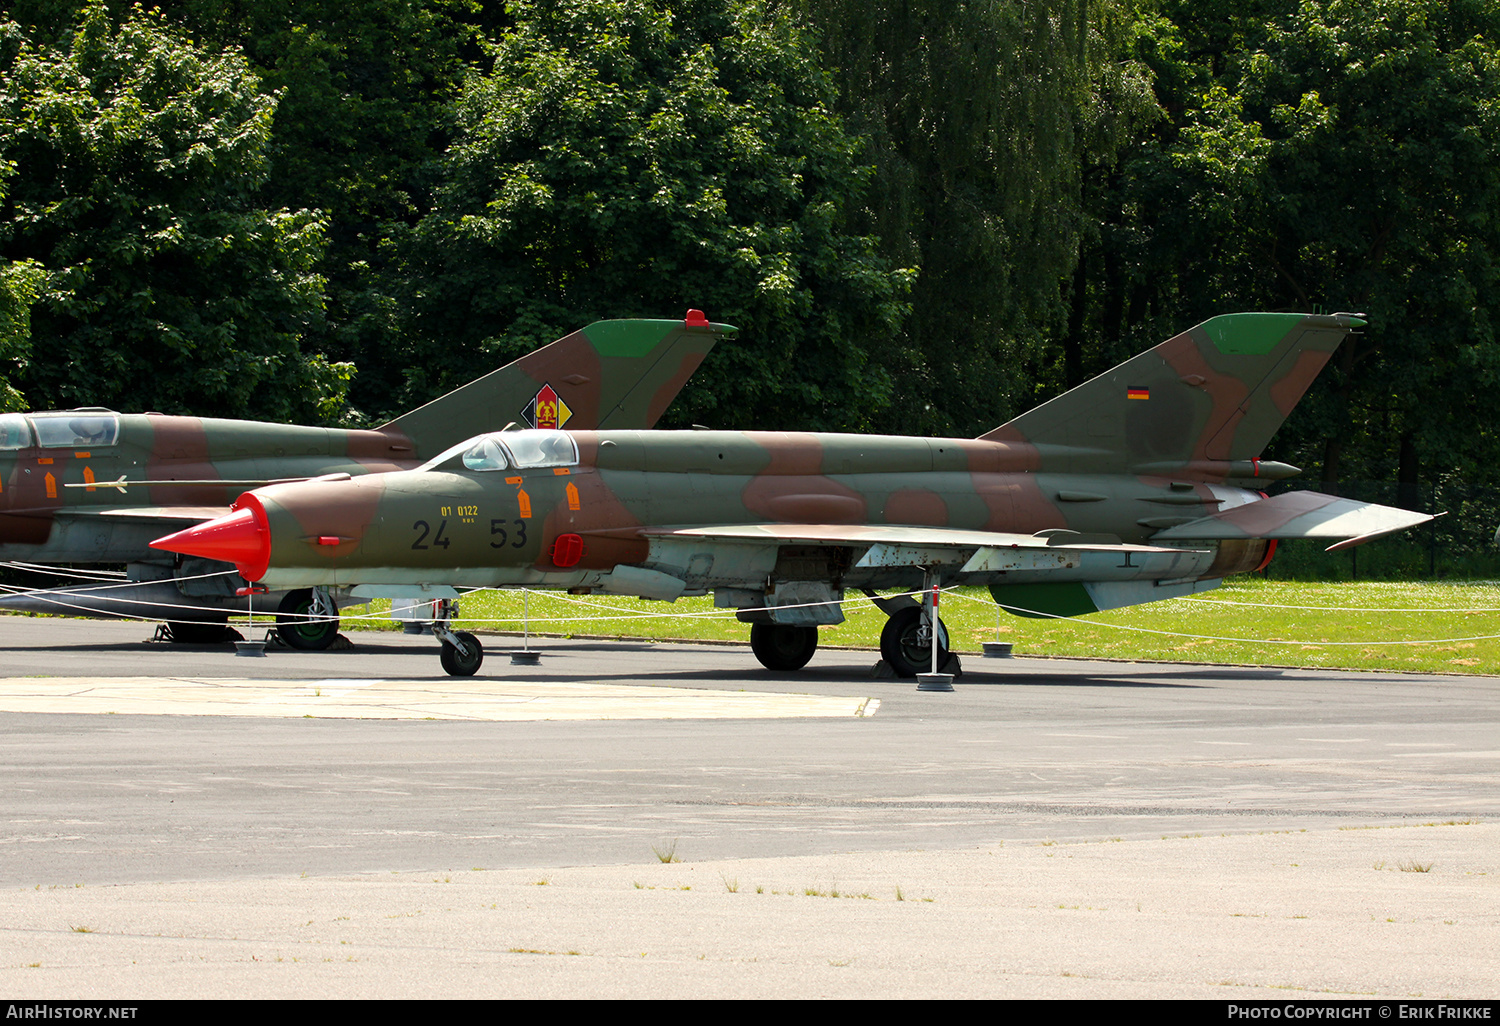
x,y
1343,624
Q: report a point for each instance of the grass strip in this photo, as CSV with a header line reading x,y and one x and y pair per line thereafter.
x,y
1431,627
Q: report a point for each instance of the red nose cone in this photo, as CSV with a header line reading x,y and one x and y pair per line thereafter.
x,y
240,538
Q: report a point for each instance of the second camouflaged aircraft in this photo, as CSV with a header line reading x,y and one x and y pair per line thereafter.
x,y
1136,486
93,486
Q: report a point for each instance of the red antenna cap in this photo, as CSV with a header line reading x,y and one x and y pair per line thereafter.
x,y
695,319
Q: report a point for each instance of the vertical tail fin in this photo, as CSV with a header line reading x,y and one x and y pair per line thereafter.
x,y
1216,392
611,374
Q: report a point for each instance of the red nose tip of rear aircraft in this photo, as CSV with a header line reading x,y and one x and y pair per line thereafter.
x,y
241,537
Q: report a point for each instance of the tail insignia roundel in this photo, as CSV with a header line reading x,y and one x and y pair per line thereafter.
x,y
546,409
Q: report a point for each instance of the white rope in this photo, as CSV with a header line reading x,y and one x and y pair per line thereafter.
x,y
57,571
724,614
1238,641
1345,609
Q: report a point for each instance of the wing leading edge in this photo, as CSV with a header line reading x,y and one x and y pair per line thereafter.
x,y
1300,514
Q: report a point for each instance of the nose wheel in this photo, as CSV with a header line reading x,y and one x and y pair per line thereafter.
x,y
461,654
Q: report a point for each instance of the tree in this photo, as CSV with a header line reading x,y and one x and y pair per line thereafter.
x,y
1337,156
634,158
19,284
168,284
978,115
1383,186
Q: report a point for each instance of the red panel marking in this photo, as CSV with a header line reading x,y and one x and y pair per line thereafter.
x,y
567,550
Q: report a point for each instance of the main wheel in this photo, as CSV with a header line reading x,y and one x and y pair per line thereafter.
x,y
207,633
906,646
297,629
459,665
781,646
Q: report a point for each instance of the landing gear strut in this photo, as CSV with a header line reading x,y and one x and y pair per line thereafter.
x,y
782,646
462,653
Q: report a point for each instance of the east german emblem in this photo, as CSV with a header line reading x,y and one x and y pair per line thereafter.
x,y
546,409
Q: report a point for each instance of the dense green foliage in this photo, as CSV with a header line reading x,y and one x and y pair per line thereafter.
x,y
925,216
622,160
167,282
1333,156
1342,156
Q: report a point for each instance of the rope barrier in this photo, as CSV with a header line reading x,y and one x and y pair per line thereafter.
x,y
57,571
1238,641
860,608
1343,609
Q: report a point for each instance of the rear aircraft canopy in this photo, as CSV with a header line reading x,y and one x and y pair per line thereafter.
x,y
66,430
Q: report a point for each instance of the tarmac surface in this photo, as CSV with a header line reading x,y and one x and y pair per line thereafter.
x,y
182,822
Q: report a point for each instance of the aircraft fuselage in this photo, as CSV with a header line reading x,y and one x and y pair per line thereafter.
x,y
650,500
71,463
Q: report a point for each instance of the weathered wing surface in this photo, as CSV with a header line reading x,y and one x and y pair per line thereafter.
x,y
1300,514
983,554
194,513
1052,573
898,545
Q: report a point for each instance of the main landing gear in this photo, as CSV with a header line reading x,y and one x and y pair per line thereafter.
x,y
783,646
905,642
308,619
462,654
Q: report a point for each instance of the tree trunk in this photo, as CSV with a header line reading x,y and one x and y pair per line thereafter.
x,y
1333,452
1408,494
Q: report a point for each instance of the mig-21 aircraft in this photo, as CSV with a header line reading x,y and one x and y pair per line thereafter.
x,y
1141,484
93,486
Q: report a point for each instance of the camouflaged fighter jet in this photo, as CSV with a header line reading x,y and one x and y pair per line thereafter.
x,y
94,486
1139,485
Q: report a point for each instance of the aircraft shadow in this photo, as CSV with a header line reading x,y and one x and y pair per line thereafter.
x,y
976,672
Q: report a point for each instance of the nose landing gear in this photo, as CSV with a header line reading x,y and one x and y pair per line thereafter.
x,y
461,654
